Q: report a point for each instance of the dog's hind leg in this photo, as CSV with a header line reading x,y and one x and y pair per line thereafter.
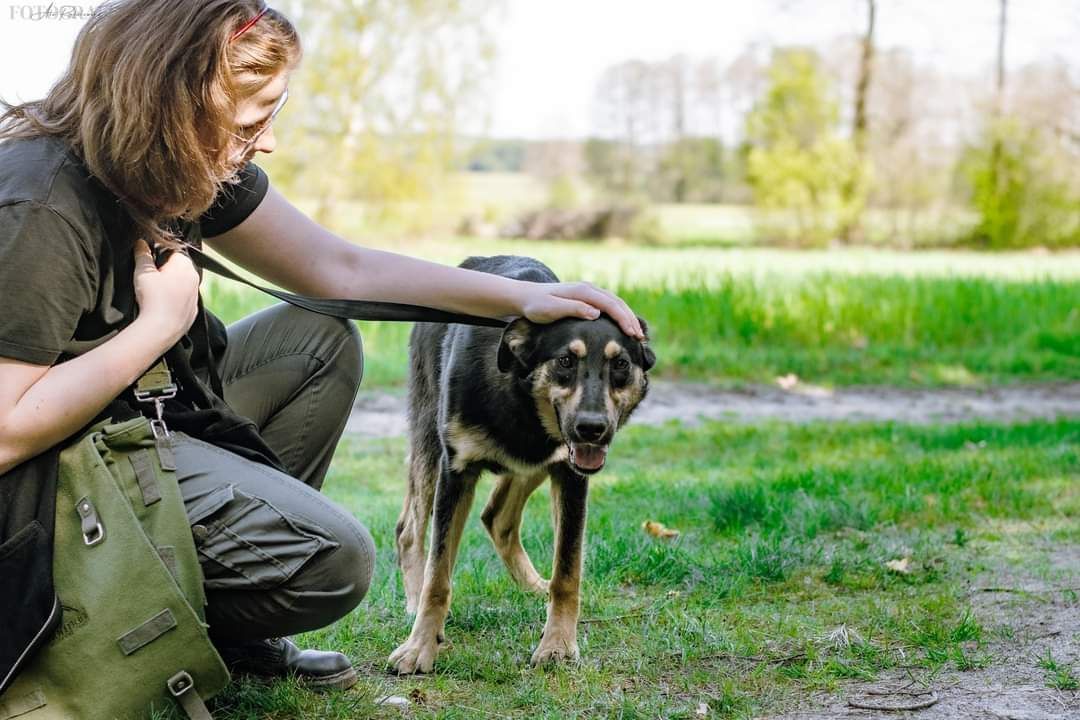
x,y
569,492
453,498
502,518
413,523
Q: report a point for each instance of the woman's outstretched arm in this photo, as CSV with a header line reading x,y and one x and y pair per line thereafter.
x,y
281,244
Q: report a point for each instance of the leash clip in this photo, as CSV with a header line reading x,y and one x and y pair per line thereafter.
x,y
158,397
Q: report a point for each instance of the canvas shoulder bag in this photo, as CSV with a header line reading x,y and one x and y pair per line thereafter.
x,y
133,635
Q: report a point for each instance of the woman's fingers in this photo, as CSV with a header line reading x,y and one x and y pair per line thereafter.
x,y
610,304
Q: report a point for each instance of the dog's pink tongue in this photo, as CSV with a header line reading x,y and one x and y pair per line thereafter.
x,y
590,457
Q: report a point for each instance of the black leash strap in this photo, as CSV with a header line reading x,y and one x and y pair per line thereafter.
x,y
348,309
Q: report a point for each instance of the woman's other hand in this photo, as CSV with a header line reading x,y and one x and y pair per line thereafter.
x,y
547,302
168,296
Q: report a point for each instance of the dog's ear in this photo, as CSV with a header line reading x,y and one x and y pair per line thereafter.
x,y
648,357
515,344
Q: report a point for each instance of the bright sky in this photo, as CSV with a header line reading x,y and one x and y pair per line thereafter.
x,y
554,51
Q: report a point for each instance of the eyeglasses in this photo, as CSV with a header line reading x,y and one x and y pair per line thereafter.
x,y
249,142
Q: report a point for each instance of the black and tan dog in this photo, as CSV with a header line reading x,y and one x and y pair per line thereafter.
x,y
527,403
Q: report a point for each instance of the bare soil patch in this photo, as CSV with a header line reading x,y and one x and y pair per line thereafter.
x,y
382,413
1029,608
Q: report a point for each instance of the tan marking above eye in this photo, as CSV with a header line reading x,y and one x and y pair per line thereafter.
x,y
578,348
612,349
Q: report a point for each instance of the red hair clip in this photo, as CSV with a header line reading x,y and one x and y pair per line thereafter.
x,y
247,26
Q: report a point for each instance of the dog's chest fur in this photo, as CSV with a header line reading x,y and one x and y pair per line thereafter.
x,y
471,445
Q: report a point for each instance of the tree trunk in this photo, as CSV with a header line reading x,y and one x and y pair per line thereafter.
x,y
852,231
996,179
862,87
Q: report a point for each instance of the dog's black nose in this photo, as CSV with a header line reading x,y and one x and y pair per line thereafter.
x,y
590,427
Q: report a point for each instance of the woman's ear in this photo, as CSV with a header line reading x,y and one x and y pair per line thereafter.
x,y
515,344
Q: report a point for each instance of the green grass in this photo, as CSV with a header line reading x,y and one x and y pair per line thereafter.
x,y
777,586
833,324
1058,675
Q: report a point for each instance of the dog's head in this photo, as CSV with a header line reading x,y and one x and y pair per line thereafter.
x,y
585,376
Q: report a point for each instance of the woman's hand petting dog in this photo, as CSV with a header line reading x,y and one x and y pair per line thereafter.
x,y
548,302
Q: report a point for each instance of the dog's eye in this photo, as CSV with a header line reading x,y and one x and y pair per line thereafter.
x,y
621,364
566,361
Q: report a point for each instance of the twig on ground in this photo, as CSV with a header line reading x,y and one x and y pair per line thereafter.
x,y
636,612
755,658
920,705
1022,591
902,691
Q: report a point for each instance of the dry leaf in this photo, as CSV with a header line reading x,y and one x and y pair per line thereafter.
x,y
788,382
902,566
658,530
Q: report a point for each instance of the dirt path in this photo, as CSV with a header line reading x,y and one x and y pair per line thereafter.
x,y
1029,611
382,413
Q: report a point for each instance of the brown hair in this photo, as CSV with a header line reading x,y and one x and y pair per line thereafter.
x,y
149,99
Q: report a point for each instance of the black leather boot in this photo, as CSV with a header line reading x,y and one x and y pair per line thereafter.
x,y
279,657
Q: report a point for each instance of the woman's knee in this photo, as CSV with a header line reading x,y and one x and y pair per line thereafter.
x,y
352,350
347,348
333,340
356,563
335,584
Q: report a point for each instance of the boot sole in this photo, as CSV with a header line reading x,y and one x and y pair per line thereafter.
x,y
338,681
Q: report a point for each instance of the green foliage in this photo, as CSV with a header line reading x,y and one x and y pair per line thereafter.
x,y
495,155
612,166
378,97
1025,187
691,169
563,193
647,228
798,164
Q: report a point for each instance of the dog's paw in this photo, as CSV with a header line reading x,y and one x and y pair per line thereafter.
x,y
555,650
414,656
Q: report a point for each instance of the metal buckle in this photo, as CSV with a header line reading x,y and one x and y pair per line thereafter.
x,y
158,397
169,391
158,428
180,683
98,536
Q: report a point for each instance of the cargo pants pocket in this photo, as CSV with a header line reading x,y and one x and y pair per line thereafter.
x,y
252,544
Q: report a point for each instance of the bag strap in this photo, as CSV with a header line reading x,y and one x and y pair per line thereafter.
x,y
348,309
182,687
155,382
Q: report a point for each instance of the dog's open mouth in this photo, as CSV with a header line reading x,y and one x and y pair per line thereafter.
x,y
587,458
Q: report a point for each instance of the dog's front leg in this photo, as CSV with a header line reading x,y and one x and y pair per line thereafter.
x,y
569,492
453,498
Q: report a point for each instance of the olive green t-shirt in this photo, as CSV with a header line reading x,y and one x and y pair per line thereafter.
x,y
66,261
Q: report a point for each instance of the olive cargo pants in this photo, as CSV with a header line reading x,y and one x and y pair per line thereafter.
x,y
278,557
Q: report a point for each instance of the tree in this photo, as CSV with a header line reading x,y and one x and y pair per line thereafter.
x,y
385,87
798,164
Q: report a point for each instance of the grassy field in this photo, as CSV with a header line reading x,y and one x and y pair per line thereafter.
x,y
839,318
777,585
